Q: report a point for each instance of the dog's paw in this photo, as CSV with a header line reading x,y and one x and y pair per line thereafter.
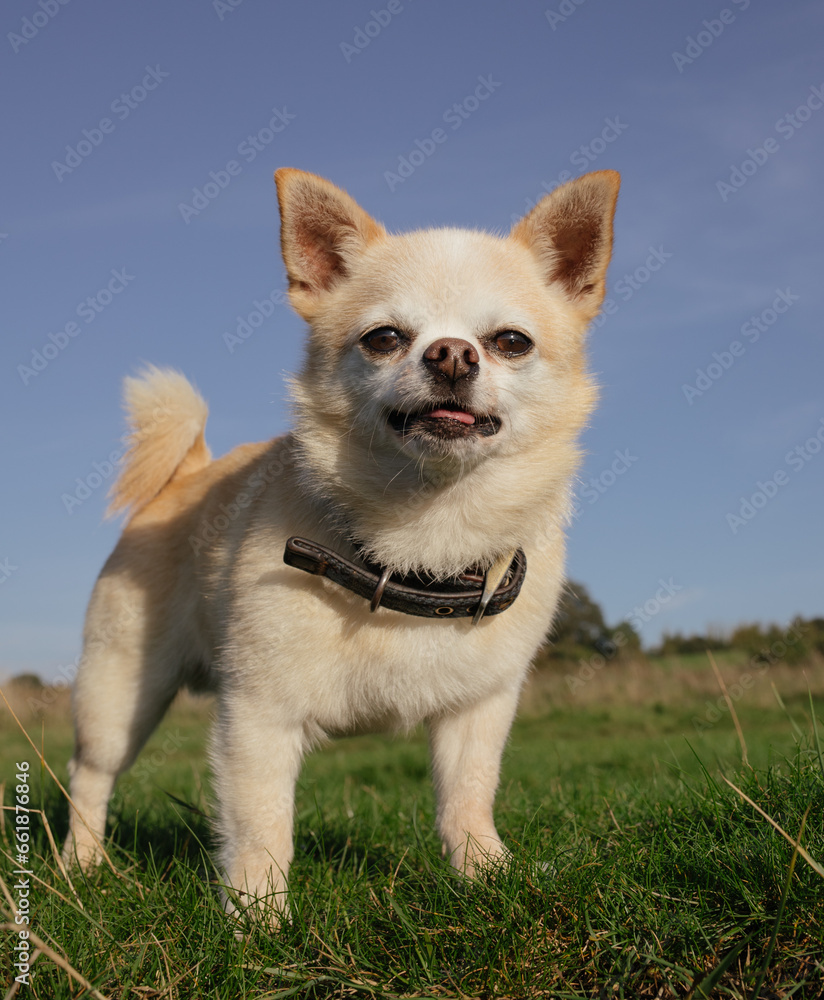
x,y
476,858
83,852
247,912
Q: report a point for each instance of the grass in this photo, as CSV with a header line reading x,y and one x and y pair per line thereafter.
x,y
637,871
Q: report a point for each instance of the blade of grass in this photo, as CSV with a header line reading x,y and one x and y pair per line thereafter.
x,y
703,990
816,867
780,913
815,730
186,805
783,707
731,707
58,859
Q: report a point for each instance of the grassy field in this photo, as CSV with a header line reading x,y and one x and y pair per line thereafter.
x,y
637,870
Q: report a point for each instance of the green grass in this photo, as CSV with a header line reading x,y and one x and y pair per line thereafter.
x,y
698,661
636,869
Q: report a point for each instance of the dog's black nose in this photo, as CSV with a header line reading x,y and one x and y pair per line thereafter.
x,y
450,359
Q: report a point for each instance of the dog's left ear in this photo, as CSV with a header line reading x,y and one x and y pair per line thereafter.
x,y
570,231
322,231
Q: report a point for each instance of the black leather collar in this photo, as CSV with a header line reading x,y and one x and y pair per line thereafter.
x,y
459,597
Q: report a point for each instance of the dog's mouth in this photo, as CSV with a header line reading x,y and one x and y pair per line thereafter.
x,y
445,422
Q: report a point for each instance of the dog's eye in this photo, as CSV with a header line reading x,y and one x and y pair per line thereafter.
x,y
512,343
384,340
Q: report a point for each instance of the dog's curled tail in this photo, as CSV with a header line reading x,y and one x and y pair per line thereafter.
x,y
166,417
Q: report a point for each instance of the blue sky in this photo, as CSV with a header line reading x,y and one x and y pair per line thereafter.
x,y
705,466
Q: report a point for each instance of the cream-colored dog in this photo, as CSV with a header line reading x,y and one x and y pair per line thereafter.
x,y
436,416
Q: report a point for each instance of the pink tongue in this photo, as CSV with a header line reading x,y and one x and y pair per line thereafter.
x,y
463,417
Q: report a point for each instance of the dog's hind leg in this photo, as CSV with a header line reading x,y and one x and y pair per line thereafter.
x,y
467,746
122,689
136,634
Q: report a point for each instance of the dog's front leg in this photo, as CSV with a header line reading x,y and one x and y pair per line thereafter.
x,y
256,757
466,747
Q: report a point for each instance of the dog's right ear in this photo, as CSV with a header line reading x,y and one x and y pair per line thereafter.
x,y
322,230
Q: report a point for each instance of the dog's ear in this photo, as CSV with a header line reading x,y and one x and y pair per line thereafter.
x,y
322,230
570,231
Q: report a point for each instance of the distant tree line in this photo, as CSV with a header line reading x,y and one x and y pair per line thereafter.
x,y
803,638
580,629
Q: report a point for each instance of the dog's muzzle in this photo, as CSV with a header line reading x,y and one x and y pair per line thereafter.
x,y
473,593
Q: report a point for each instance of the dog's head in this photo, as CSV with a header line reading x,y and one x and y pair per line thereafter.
x,y
442,342
432,351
